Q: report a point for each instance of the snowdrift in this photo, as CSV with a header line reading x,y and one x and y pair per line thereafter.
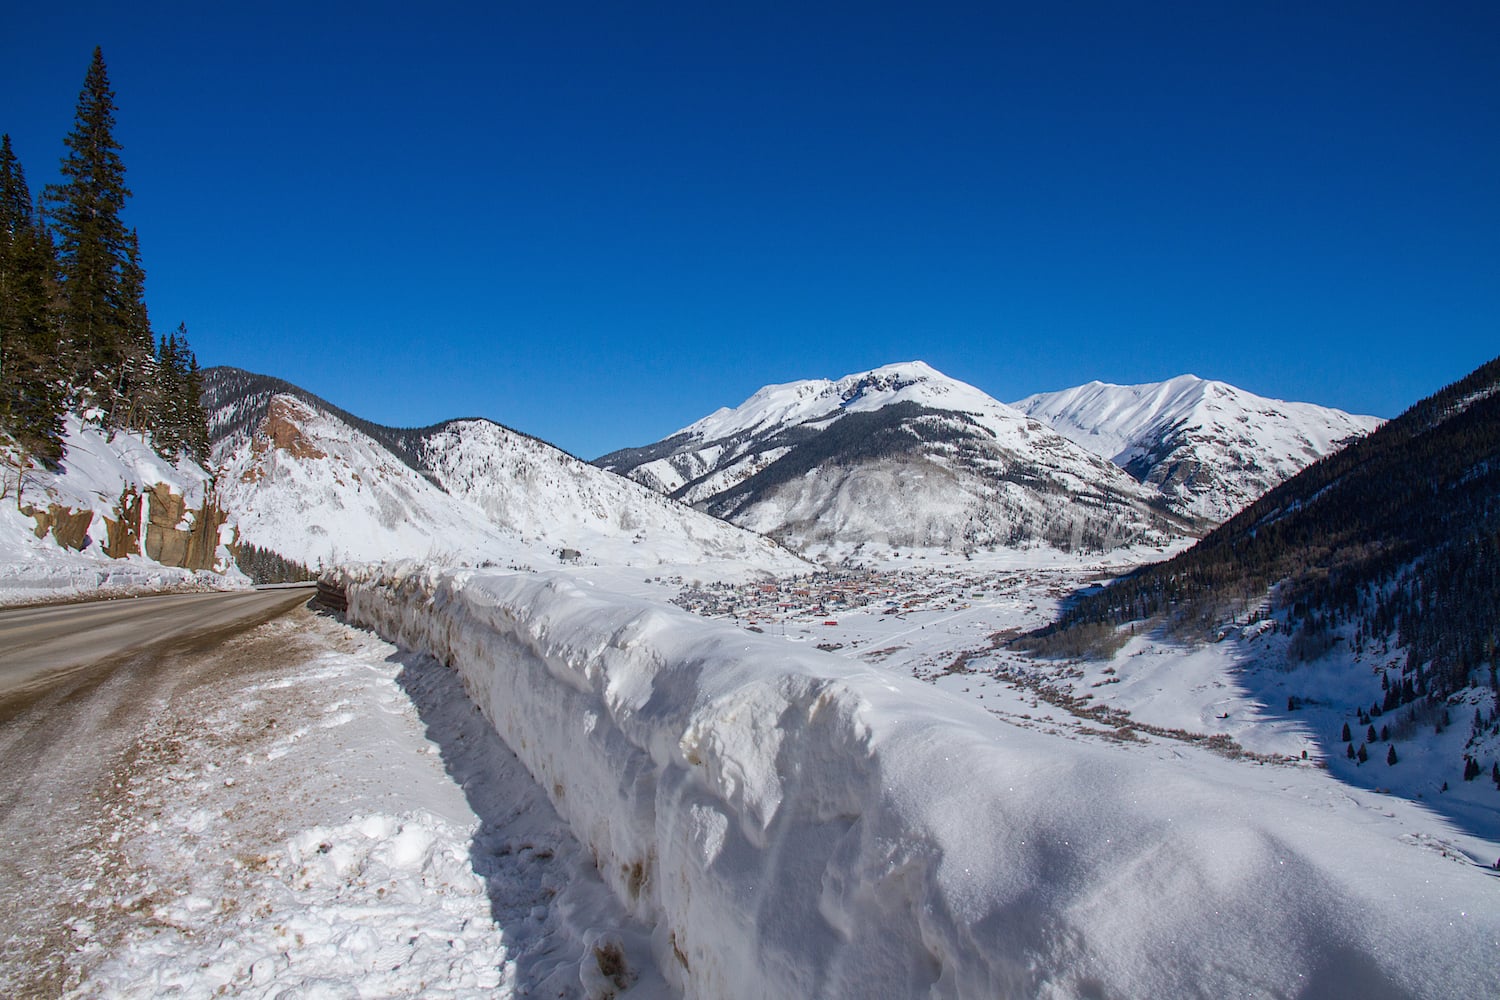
x,y
796,825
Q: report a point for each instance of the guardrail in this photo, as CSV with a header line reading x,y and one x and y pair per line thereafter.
x,y
331,596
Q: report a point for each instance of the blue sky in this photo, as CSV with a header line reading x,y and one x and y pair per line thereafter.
x,y
598,222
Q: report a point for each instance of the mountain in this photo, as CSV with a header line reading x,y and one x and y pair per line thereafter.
x,y
1208,447
315,483
1374,576
901,456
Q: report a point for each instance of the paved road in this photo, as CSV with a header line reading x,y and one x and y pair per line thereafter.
x,y
39,645
114,695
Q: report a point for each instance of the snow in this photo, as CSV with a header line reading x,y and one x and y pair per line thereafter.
x,y
987,475
97,468
791,823
1245,443
340,824
1244,686
534,489
494,497
777,407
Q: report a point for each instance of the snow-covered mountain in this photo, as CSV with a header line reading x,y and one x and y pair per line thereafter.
x,y
1208,447
317,484
901,455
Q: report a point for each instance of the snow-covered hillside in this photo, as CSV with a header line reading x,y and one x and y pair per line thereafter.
x,y
318,485
792,824
314,489
1208,447
901,455
114,516
536,490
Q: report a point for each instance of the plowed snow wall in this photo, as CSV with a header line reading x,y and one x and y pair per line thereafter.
x,y
793,824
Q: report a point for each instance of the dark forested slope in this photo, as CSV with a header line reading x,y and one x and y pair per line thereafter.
x,y
1398,534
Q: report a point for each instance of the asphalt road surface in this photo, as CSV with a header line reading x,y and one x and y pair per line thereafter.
x,y
41,645
95,703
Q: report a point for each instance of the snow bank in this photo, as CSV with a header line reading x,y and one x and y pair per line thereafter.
x,y
797,825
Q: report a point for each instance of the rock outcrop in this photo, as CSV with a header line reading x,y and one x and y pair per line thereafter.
x,y
124,529
192,547
69,528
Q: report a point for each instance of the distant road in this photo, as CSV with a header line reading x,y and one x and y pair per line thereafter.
x,y
38,644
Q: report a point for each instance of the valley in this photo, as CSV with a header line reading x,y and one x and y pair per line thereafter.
x,y
543,591
1074,573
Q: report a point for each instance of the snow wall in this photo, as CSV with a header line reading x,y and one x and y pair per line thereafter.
x,y
793,824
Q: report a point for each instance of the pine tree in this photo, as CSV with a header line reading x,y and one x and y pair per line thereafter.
x,y
1371,736
94,248
179,424
1345,735
1390,756
138,384
195,429
1363,754
31,393
169,405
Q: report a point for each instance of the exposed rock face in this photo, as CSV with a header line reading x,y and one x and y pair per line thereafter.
x,y
170,545
70,528
125,528
281,427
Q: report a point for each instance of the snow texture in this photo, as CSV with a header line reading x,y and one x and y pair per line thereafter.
x,y
793,824
975,473
97,468
315,489
340,822
1209,447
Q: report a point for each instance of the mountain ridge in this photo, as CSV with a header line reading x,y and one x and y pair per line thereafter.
x,y
1209,447
799,461
387,492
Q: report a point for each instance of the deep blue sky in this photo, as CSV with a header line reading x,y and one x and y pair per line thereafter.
x,y
598,222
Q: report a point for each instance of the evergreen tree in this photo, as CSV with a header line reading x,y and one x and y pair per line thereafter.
x,y
1371,736
1363,754
137,386
195,431
31,393
179,422
1345,735
94,249
167,411
1390,756
266,566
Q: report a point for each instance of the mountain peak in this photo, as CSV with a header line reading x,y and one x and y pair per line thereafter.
x,y
316,484
1209,446
901,454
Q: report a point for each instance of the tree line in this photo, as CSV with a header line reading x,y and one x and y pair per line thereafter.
x,y
1397,535
74,331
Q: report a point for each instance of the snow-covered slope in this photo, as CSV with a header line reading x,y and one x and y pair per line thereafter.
x,y
534,489
792,824
108,477
317,484
314,489
1209,447
901,455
